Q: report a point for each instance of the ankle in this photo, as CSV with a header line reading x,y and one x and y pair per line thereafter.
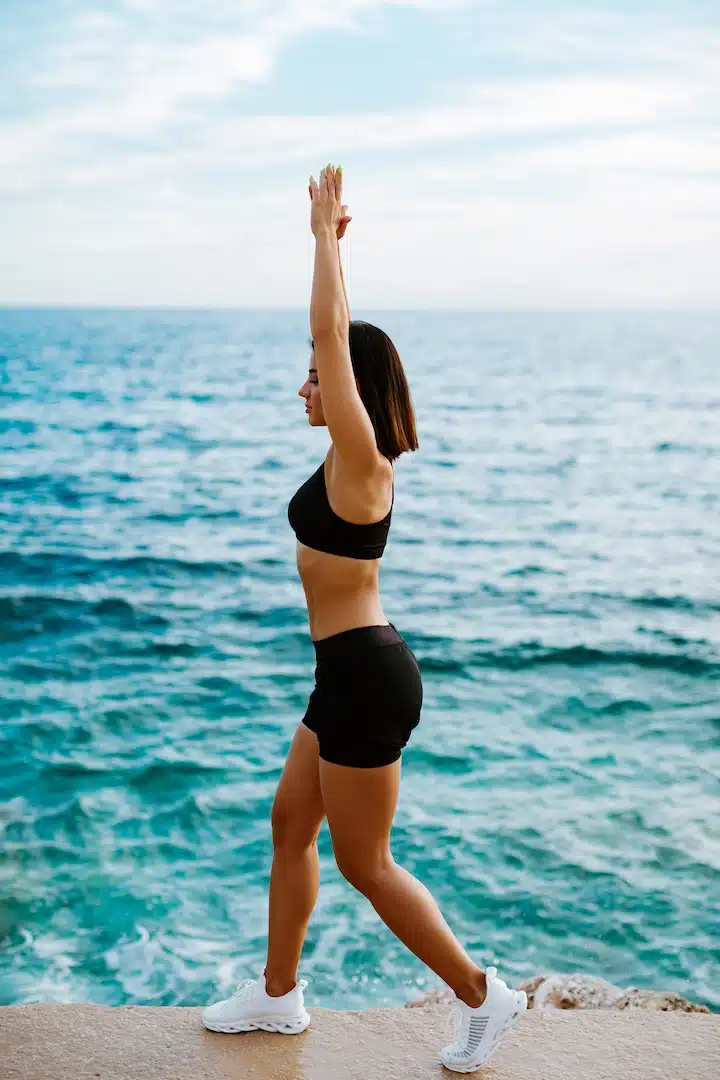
x,y
279,986
474,992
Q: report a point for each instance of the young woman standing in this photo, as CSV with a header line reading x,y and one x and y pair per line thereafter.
x,y
345,758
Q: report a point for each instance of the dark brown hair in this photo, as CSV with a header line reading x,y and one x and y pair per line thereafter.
x,y
384,389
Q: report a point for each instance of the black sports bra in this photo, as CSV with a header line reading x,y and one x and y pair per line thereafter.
x,y
316,524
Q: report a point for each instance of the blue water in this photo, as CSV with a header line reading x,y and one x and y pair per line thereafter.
x,y
554,563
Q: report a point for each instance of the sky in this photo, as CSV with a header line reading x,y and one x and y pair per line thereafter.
x,y
497,156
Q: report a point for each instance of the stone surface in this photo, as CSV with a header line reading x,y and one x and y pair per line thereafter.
x,y
575,992
657,1000
99,1042
578,992
589,992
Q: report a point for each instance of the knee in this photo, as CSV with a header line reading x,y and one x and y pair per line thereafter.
x,y
365,875
291,831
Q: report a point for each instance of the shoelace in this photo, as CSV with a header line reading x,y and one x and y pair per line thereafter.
x,y
244,990
455,1030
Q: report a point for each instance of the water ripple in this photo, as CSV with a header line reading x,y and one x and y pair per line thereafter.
x,y
554,563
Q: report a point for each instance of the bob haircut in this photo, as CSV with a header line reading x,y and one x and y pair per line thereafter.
x,y
384,389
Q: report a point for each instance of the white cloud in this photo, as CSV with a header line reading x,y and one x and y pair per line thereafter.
x,y
588,157
173,57
121,79
591,186
485,111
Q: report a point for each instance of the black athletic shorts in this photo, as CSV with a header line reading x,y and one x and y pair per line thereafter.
x,y
367,696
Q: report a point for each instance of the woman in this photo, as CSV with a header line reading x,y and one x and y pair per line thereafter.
x,y
345,759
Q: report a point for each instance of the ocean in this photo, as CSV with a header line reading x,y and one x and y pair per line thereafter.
x,y
553,562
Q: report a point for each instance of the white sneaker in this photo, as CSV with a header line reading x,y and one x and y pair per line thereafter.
x,y
476,1033
251,1007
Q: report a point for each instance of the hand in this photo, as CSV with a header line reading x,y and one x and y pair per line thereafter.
x,y
327,209
344,222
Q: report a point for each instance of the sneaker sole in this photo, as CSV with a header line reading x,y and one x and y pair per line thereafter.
x,y
290,1026
512,1021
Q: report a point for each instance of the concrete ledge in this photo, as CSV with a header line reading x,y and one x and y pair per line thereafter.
x,y
137,1042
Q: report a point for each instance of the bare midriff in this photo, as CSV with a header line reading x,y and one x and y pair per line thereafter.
x,y
341,593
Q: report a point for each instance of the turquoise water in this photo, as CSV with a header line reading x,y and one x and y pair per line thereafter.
x,y
554,563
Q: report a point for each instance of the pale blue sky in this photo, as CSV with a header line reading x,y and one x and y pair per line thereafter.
x,y
496,155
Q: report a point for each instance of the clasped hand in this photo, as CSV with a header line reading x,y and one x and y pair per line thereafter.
x,y
327,211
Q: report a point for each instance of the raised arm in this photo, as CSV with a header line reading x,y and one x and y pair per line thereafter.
x,y
347,419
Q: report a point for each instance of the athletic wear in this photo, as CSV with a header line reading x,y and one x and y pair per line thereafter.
x,y
251,1007
477,1032
367,697
316,524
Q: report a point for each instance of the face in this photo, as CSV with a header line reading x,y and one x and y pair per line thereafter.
x,y
310,391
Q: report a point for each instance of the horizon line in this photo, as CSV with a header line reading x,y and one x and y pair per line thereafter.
x,y
604,310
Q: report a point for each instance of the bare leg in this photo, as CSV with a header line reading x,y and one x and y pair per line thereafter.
x,y
360,804
297,816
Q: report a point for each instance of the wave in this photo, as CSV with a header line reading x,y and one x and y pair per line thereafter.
x,y
86,568
27,615
530,655
586,656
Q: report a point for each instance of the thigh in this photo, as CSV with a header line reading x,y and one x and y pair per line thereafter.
x,y
360,806
298,810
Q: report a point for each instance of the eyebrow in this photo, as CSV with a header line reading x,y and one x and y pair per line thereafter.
x,y
313,371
